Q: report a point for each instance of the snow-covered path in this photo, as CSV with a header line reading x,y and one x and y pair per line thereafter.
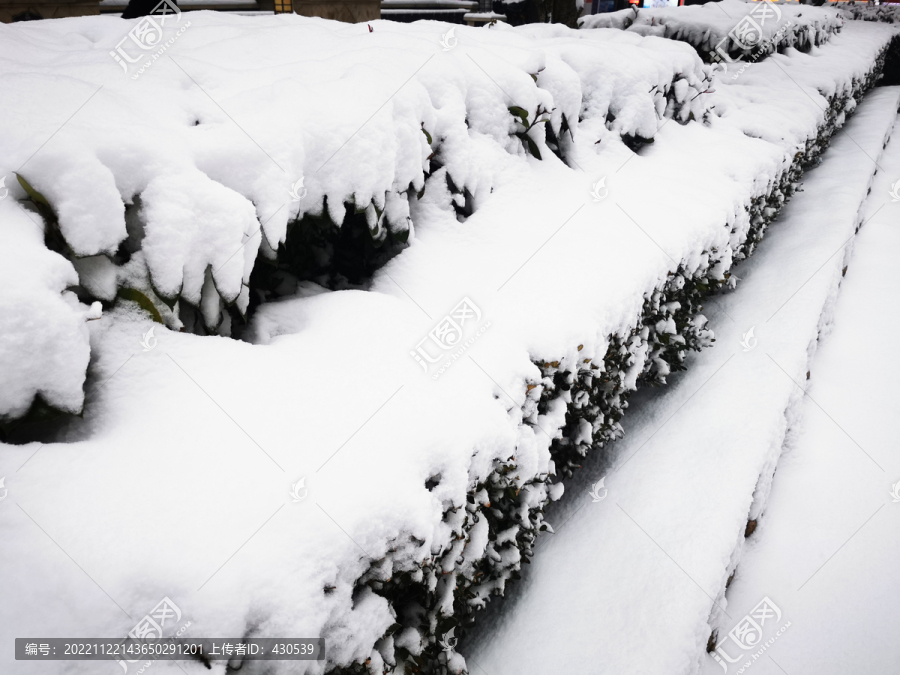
x,y
630,581
827,546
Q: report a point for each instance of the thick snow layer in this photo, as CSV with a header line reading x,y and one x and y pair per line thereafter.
x,y
731,26
827,545
213,144
185,471
630,580
191,223
627,585
40,317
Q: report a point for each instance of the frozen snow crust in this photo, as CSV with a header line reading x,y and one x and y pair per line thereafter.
x,y
467,489
800,27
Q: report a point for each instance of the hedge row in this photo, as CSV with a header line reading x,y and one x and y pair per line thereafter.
x,y
437,601
712,27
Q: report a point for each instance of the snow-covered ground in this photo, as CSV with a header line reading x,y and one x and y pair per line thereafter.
x,y
256,482
828,542
637,568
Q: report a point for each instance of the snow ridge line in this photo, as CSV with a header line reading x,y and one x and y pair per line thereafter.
x,y
793,410
448,589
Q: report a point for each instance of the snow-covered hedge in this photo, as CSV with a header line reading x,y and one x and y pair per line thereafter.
x,y
594,394
169,197
887,13
739,29
174,221
503,518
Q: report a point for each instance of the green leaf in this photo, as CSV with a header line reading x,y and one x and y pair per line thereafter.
x,y
427,135
142,300
35,196
521,113
531,145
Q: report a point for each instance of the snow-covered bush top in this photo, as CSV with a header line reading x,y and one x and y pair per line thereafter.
x,y
206,146
732,26
887,13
